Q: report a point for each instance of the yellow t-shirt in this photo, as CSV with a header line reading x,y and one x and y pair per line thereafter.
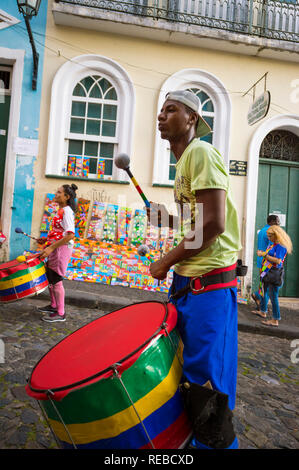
x,y
201,167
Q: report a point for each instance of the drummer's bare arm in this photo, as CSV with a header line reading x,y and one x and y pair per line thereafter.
x,y
213,203
63,241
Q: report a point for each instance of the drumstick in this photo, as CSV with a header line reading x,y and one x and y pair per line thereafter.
x,y
123,161
23,258
19,230
143,250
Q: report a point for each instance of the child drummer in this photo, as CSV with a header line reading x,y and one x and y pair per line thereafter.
x,y
58,250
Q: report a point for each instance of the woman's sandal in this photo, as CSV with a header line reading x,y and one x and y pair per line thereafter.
x,y
269,323
259,313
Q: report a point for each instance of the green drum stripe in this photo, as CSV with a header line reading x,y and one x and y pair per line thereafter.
x,y
23,272
106,397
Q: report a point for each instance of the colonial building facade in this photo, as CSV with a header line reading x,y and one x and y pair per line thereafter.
x,y
107,68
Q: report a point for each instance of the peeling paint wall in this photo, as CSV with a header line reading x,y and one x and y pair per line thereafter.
x,y
16,37
23,197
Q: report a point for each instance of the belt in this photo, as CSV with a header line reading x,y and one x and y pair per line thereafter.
x,y
221,278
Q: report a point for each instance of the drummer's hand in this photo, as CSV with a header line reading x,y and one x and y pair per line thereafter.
x,y
158,215
46,252
41,241
260,253
158,269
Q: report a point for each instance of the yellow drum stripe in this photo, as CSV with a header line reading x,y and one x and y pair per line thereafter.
x,y
83,433
23,279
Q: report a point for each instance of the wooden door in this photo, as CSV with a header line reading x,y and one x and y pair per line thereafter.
x,y
278,193
5,80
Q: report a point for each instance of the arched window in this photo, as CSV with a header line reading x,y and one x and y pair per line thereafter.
x,y
207,112
215,108
92,129
280,145
90,119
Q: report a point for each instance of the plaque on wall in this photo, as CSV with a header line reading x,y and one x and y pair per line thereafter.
x,y
238,167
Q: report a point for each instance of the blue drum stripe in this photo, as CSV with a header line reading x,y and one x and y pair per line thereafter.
x,y
23,287
135,438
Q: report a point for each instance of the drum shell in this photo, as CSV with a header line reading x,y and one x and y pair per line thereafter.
x,y
101,416
19,280
102,385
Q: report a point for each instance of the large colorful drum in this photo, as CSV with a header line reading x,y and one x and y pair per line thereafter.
x,y
113,384
22,279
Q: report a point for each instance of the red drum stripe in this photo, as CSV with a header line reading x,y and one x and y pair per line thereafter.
x,y
26,293
179,431
33,290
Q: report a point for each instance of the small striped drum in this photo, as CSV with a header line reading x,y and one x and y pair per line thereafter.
x,y
113,384
22,279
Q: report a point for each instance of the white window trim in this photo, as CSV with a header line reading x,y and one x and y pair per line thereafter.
x,y
7,20
64,82
5,91
195,78
14,57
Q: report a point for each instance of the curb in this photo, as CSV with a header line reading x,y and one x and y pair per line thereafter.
x,y
103,302
280,332
106,302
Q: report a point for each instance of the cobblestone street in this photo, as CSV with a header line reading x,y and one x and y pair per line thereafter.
x,y
266,415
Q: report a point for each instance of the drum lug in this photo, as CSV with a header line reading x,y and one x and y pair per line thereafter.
x,y
114,367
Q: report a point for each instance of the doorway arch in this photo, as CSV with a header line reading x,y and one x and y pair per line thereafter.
x,y
283,122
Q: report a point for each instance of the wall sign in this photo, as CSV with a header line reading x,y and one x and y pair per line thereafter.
x,y
237,167
27,147
259,108
282,217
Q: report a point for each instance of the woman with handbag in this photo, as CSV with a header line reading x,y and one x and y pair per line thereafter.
x,y
272,271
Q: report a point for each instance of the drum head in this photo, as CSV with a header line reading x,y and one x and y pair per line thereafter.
x,y
89,353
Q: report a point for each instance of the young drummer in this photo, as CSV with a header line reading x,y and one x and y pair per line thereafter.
x,y
204,284
58,250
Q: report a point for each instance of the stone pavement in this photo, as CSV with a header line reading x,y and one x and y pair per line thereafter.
x,y
266,414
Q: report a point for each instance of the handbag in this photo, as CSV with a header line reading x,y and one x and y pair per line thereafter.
x,y
274,276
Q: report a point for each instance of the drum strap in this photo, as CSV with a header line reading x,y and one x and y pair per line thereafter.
x,y
222,278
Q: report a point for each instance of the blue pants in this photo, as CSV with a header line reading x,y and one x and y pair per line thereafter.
x,y
208,325
272,292
258,295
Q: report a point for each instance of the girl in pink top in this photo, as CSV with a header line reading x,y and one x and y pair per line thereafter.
x,y
58,250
